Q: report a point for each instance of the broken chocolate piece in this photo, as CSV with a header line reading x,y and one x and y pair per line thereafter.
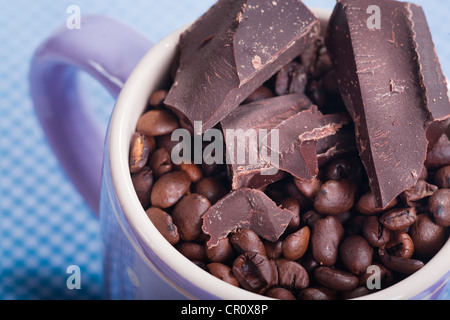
x,y
245,209
232,50
439,156
392,84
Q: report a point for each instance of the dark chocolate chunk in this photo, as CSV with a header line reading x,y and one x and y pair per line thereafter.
x,y
392,84
245,209
232,50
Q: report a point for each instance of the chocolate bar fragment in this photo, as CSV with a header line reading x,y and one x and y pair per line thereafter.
x,y
245,209
232,50
392,84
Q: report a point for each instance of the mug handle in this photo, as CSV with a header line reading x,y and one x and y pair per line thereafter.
x,y
108,51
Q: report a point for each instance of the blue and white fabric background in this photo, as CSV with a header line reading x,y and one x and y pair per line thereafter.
x,y
45,226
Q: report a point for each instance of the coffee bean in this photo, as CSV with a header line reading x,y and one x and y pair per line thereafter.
x,y
367,204
211,188
291,275
192,170
255,272
139,152
356,254
157,98
187,215
402,265
325,239
246,240
344,169
274,250
419,191
157,123
296,244
317,293
428,237
399,218
143,183
222,272
439,206
355,293
222,253
310,217
160,162
335,279
292,205
400,245
280,294
374,232
163,222
381,273
165,141
170,188
335,197
309,188
442,177
194,251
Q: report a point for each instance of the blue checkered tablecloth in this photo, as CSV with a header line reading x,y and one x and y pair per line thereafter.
x,y
45,226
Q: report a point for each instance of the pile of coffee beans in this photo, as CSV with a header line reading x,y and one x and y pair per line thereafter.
x,y
339,245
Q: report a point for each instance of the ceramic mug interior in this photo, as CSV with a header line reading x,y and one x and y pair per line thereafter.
x,y
150,75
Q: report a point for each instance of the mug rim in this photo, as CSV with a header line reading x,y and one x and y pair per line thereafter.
x,y
132,101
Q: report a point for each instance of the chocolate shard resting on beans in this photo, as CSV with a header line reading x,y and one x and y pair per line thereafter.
x,y
393,87
245,209
232,50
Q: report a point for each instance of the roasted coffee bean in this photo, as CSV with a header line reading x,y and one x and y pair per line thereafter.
x,y
316,93
261,93
309,188
211,188
399,218
143,183
379,272
442,177
402,265
326,236
308,262
428,237
317,293
160,162
163,222
439,206
246,240
374,232
344,169
400,245
170,188
310,217
274,250
419,191
335,279
355,293
157,98
157,123
223,272
291,275
439,156
187,215
296,244
222,253
335,197
165,141
280,294
356,254
292,205
194,251
139,152
367,204
192,170
255,272
355,224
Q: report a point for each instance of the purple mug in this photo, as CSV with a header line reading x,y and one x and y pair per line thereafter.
x,y
138,262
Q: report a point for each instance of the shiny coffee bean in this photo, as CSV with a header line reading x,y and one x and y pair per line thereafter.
x,y
296,244
367,204
165,141
326,236
317,293
292,205
399,218
439,206
143,183
291,275
222,253
309,188
223,272
400,245
421,190
163,222
375,232
246,240
310,217
194,251
343,169
402,265
170,188
255,272
355,293
187,215
139,152
356,254
442,177
379,272
157,98
160,162
274,250
280,294
192,170
335,197
211,188
335,279
428,237
157,123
